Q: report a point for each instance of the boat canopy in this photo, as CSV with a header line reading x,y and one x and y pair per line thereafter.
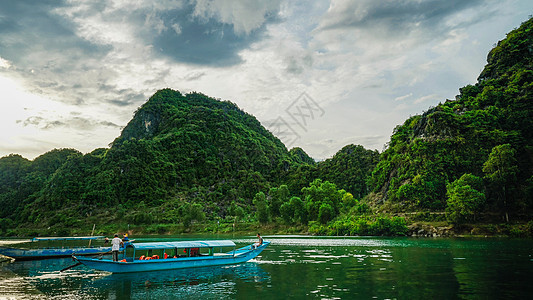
x,y
182,244
66,238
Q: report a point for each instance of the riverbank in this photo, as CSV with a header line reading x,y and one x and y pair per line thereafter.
x,y
413,228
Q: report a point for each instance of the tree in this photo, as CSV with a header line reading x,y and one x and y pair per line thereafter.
x,y
300,213
325,213
236,211
261,207
350,168
348,201
278,196
465,199
319,193
192,212
500,171
287,212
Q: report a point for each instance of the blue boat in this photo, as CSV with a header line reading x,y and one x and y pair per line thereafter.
x,y
54,251
141,257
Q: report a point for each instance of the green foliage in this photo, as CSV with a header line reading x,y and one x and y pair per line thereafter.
x,y
500,171
350,169
319,193
362,225
278,196
261,207
300,213
208,151
141,218
465,199
325,213
236,210
22,181
299,156
191,212
287,212
500,167
348,202
454,138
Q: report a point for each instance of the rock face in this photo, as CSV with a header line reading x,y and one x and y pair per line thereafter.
x,y
424,230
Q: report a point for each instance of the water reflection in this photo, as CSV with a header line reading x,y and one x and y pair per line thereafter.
x,y
197,283
206,283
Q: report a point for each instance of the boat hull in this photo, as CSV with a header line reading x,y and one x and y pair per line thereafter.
x,y
239,256
31,254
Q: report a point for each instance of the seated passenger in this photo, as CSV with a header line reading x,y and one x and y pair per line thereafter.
x,y
194,252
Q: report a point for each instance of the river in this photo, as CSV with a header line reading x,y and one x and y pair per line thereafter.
x,y
304,267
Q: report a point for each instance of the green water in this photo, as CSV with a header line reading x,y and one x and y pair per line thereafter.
x,y
302,267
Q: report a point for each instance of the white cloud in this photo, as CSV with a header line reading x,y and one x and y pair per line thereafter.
x,y
402,98
426,98
4,63
368,64
177,28
19,135
244,15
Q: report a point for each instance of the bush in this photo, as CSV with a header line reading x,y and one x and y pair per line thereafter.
x,y
464,199
140,218
362,225
325,213
159,228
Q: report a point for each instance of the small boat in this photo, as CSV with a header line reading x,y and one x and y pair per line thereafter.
x,y
58,249
141,257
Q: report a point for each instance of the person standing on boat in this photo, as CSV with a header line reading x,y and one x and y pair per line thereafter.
x,y
115,246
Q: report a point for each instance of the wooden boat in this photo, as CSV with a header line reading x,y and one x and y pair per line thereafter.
x,y
141,257
57,250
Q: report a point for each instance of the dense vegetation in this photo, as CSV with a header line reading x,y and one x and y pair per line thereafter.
x,y
191,162
182,159
486,134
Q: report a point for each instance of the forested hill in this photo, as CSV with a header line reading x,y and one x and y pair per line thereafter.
x,y
180,156
200,141
186,147
191,158
474,153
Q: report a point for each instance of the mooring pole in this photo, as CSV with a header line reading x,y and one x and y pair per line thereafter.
x,y
92,233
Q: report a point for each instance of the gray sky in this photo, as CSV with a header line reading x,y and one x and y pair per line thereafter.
x,y
318,74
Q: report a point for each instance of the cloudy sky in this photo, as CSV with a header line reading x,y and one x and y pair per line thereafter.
x,y
319,74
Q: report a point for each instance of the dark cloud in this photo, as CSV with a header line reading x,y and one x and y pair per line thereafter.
x,y
395,17
193,40
74,122
127,98
118,96
297,65
30,27
70,51
47,54
194,76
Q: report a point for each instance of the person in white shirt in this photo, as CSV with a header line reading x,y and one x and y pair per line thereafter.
x,y
115,246
260,242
